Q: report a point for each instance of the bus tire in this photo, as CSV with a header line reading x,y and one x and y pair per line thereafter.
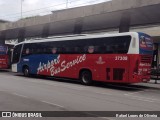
x,y
26,71
86,77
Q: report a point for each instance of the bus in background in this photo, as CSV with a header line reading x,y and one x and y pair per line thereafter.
x,y
115,58
4,59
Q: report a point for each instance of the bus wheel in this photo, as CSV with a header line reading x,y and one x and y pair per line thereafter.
x,y
26,71
86,77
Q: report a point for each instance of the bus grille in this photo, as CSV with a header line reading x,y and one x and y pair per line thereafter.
x,y
146,59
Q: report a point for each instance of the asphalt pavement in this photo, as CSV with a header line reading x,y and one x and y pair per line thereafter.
x,y
19,93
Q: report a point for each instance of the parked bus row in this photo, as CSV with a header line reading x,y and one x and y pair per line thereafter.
x,y
5,56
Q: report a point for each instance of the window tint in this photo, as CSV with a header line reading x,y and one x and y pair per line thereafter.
x,y
108,45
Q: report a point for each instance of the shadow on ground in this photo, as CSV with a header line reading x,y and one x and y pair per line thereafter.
x,y
122,87
4,70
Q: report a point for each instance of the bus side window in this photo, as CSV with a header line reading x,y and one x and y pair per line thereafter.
x,y
23,52
67,50
81,50
96,49
109,49
54,50
39,51
76,50
121,49
43,50
102,49
46,50
114,48
16,53
90,49
60,50
27,51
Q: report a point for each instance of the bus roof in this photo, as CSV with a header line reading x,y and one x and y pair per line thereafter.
x,y
77,37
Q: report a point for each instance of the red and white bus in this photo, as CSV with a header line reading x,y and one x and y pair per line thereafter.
x,y
115,58
3,57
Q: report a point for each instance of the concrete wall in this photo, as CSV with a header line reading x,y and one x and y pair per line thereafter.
x,y
114,5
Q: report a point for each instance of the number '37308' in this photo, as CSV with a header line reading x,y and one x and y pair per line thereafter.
x,y
124,58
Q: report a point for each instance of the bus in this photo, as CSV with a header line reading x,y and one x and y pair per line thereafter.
x,y
115,58
4,59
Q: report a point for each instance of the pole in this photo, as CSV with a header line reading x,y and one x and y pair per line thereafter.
x,y
66,3
21,9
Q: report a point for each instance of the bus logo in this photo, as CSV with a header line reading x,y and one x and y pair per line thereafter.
x,y
6,114
100,61
58,65
145,43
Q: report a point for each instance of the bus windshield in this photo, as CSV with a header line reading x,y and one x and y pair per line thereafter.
x,y
145,44
16,53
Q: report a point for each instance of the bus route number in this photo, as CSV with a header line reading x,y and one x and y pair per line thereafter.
x,y
121,58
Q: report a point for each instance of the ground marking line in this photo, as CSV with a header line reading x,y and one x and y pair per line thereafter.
x,y
53,104
141,99
135,92
41,101
20,95
103,93
106,118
